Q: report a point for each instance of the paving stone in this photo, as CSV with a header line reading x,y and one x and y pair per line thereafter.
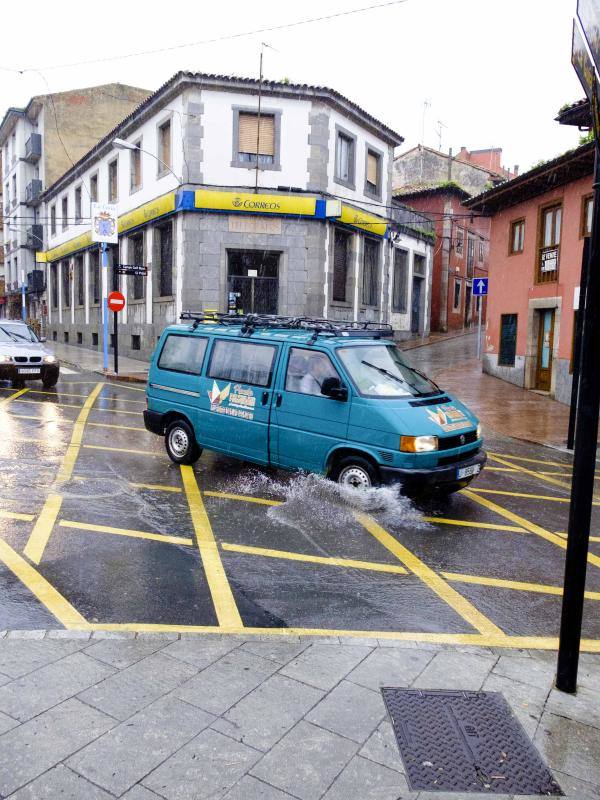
x,y
451,670
526,702
28,696
139,792
569,746
20,657
38,745
324,665
123,653
404,643
163,637
6,723
201,652
250,788
368,781
206,767
583,706
225,682
128,691
382,747
113,635
29,635
4,679
349,710
60,782
306,761
61,634
281,651
390,667
535,671
576,789
138,745
262,717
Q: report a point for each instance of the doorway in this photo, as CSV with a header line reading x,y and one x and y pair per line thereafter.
x,y
543,377
252,281
415,310
468,305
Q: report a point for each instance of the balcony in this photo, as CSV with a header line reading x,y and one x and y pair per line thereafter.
x,y
33,192
33,148
35,237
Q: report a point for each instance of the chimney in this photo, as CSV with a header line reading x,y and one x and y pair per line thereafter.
x,y
449,165
516,170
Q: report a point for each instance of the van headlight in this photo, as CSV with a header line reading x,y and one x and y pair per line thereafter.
x,y
479,430
49,359
418,444
5,359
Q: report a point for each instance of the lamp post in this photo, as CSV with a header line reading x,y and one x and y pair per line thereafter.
x,y
123,144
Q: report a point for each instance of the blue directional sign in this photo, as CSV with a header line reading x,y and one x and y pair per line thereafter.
x,y
480,286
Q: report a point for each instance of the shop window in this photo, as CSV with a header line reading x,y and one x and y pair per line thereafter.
x,y
66,284
549,244
508,340
136,257
165,259
94,266
400,281
370,269
517,236
54,282
79,274
341,250
242,362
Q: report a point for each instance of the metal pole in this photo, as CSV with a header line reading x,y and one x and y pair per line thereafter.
x,y
584,465
116,342
23,303
104,250
260,80
479,303
577,343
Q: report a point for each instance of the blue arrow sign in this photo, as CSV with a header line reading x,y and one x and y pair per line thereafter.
x,y
480,286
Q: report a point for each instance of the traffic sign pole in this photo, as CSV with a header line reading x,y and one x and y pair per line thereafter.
x,y
480,302
105,307
480,289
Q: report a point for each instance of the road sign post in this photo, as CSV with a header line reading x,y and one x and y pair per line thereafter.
x,y
480,289
116,303
104,231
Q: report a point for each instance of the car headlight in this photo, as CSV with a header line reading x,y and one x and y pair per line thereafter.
x,y
49,359
418,444
5,359
479,430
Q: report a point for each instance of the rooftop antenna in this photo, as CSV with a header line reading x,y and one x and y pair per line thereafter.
x,y
426,104
260,83
440,125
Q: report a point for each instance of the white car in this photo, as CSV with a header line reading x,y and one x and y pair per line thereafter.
x,y
23,357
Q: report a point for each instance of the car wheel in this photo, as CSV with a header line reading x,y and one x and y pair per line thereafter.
x,y
49,383
181,444
355,472
17,383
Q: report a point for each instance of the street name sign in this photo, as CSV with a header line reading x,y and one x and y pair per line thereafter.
x,y
480,287
116,301
132,269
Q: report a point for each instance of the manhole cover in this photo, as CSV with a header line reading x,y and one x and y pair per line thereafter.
x,y
465,742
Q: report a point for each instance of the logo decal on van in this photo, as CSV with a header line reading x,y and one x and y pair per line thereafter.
x,y
241,402
217,396
449,418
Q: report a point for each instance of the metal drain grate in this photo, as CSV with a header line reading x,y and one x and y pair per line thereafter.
x,y
465,742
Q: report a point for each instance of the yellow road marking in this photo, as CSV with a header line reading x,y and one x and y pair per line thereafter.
x,y
549,497
564,535
119,427
501,469
328,561
16,515
531,472
122,400
246,498
220,590
46,403
465,523
6,400
53,394
156,537
116,411
125,385
523,586
120,450
530,526
430,578
38,539
39,586
157,486
531,460
66,468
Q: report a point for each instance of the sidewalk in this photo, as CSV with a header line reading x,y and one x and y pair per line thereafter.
x,y
269,718
433,338
91,361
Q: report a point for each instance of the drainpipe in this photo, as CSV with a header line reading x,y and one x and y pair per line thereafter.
x,y
446,247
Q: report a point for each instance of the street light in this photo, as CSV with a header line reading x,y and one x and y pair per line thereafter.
x,y
123,144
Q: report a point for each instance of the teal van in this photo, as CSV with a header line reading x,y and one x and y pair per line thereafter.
x,y
322,396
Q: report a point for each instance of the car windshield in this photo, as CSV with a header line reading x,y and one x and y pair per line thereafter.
x,y
17,333
380,370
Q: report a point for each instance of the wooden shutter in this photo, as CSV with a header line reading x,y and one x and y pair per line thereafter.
x,y
372,168
249,134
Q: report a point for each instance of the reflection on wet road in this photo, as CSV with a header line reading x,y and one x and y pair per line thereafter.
x,y
98,529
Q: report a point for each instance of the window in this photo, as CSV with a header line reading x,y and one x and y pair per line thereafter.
x,y
306,371
136,257
65,213
66,337
587,210
54,283
79,274
164,147
53,221
460,241
481,250
94,267
242,362
345,151
419,265
549,244
340,265
136,342
78,204
517,236
135,168
94,188
183,354
14,190
66,283
373,173
508,340
470,256
79,337
456,297
113,181
165,259
256,141
94,340
400,281
370,268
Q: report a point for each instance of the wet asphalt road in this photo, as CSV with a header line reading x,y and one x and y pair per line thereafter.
x,y
99,529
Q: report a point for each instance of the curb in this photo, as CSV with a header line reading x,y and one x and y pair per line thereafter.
x,y
123,377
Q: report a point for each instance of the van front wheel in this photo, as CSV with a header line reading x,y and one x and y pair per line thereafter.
x,y
354,472
181,444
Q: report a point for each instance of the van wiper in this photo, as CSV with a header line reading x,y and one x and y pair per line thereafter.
x,y
389,374
425,378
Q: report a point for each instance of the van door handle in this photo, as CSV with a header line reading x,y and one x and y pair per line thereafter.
x,y
265,398
278,399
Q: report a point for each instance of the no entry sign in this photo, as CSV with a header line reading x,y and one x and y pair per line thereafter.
x,y
116,301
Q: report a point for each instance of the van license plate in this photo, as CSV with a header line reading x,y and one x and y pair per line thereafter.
x,y
466,472
29,371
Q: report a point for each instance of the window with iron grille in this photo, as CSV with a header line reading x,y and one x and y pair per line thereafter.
x,y
400,281
165,258
94,267
79,274
136,251
340,265
370,269
54,282
508,340
66,283
549,244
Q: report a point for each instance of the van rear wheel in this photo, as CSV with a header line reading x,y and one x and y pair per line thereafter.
x,y
181,444
355,472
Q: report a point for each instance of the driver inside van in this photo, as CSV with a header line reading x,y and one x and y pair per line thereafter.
x,y
306,373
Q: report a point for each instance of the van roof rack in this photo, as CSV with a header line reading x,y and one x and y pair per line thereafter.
x,y
251,322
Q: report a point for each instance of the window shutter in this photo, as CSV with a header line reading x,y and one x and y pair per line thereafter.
x,y
372,168
248,134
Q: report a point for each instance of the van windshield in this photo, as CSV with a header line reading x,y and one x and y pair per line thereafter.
x,y
380,370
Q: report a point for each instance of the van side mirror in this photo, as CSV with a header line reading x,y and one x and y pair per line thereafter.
x,y
332,387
